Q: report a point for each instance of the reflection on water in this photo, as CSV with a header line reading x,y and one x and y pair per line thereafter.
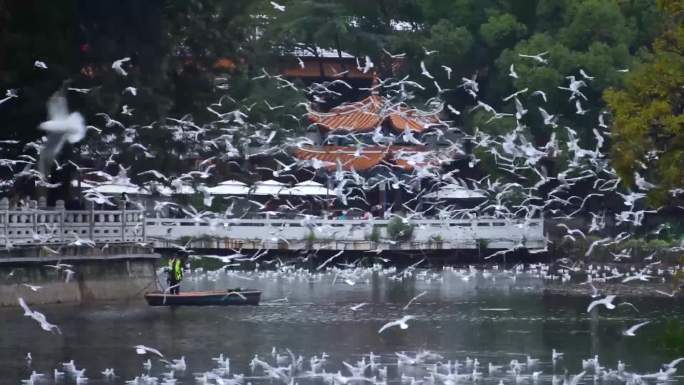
x,y
494,318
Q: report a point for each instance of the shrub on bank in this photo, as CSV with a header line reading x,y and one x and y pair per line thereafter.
x,y
375,234
398,230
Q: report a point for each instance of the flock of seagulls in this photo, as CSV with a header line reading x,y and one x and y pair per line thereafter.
x,y
528,190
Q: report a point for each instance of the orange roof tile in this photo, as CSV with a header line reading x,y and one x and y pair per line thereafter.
x,y
371,112
345,155
404,157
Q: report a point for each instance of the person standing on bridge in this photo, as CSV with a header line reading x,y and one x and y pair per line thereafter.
x,y
175,273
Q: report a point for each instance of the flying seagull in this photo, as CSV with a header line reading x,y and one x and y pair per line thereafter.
x,y
607,302
118,66
630,332
512,72
142,349
400,322
277,6
61,126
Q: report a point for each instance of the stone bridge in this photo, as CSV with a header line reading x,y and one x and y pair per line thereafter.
x,y
345,234
57,227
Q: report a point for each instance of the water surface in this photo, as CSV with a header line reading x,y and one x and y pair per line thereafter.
x,y
496,317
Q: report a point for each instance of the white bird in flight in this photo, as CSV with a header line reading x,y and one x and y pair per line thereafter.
x,y
512,73
402,323
549,120
277,6
424,70
448,71
33,287
9,94
538,57
584,75
540,93
38,317
630,332
607,302
142,349
118,66
40,64
674,363
414,299
61,127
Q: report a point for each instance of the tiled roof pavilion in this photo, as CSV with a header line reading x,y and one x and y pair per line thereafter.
x,y
365,116
371,112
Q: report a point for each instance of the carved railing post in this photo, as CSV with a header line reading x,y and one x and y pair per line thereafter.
x,y
59,207
91,226
123,222
4,206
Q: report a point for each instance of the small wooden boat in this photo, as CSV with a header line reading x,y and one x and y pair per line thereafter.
x,y
204,298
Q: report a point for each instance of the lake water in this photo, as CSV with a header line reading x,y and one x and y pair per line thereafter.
x,y
496,317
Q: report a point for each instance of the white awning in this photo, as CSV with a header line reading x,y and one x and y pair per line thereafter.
x,y
114,189
269,187
169,191
230,187
454,191
309,188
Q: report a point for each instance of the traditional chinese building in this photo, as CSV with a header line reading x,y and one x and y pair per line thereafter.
x,y
374,131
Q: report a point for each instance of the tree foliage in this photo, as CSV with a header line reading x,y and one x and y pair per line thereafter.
x,y
188,54
648,132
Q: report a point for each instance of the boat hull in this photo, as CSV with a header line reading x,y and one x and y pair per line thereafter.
x,y
204,298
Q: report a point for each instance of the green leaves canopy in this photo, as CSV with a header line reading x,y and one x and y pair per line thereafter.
x,y
648,112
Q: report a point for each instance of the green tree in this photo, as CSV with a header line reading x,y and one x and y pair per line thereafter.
x,y
648,124
502,30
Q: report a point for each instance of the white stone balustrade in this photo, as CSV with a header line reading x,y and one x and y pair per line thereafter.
x,y
349,233
59,226
34,226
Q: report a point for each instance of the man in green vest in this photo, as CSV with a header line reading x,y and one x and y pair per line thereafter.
x,y
175,274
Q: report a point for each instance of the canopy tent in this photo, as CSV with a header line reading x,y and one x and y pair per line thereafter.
x,y
268,187
169,191
230,187
309,188
454,191
116,189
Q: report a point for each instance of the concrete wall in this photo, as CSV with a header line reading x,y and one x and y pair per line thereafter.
x,y
121,279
